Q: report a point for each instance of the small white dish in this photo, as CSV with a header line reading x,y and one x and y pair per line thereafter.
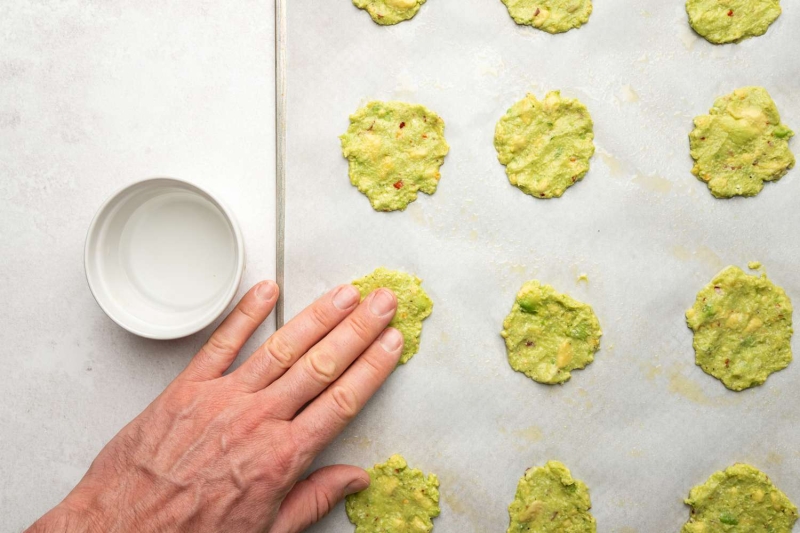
x,y
164,258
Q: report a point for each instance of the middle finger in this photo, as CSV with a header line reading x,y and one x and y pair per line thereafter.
x,y
332,355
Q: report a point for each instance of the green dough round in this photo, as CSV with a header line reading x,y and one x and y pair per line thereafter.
x,y
389,12
394,149
549,500
413,304
741,144
545,145
553,16
731,21
549,334
739,499
399,499
742,328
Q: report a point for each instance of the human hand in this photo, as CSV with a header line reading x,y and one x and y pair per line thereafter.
x,y
219,452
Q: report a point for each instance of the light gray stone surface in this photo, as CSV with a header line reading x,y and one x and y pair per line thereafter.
x,y
95,95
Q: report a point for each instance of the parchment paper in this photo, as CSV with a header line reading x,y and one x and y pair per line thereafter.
x,y
641,425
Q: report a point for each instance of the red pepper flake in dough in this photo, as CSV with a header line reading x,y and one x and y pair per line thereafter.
x,y
398,185
730,12
402,125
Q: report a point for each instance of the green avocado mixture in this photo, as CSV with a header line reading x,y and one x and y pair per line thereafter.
x,y
731,21
549,334
549,500
394,149
739,499
545,145
388,12
398,500
741,144
553,16
413,304
742,328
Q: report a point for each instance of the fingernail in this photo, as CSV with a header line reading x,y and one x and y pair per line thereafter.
x,y
346,297
382,303
391,340
266,291
357,485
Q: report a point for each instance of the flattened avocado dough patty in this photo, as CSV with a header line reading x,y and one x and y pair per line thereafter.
x,y
739,499
388,12
549,500
394,149
549,334
545,145
741,144
730,21
413,304
553,16
399,499
742,328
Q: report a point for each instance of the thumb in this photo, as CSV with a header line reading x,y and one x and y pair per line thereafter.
x,y
314,497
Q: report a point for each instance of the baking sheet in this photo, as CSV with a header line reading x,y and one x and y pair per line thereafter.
x,y
642,424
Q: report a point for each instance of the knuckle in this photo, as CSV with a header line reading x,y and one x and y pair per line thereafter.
x,y
372,365
321,367
361,328
323,500
251,313
319,317
302,442
284,460
221,345
258,368
345,402
288,459
277,349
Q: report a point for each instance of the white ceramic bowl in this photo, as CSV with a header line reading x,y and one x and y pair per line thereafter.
x,y
164,258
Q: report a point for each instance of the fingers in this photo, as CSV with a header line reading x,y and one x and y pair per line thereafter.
x,y
323,419
313,498
332,355
216,356
294,339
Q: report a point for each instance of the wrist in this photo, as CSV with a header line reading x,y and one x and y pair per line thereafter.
x,y
66,518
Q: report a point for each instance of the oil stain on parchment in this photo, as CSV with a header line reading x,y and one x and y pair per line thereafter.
x,y
357,441
614,165
464,496
684,386
653,183
774,459
680,380
702,254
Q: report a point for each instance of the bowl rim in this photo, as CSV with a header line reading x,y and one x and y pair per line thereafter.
x,y
177,332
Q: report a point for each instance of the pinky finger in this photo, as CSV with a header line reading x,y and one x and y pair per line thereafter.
x,y
314,497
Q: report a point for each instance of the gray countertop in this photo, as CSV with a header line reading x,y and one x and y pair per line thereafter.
x,y
95,95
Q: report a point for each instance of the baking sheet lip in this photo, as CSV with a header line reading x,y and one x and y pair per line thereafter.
x,y
280,157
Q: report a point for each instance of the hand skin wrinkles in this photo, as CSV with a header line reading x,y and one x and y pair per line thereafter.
x,y
210,455
228,477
